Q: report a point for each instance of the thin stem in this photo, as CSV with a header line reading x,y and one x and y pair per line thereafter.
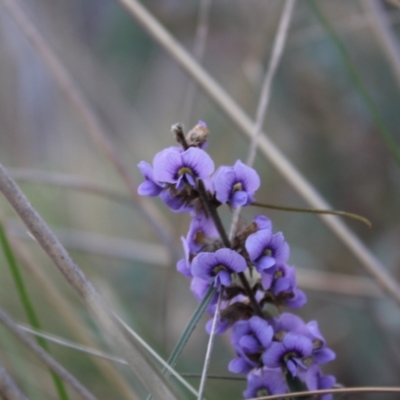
x,y
380,23
209,349
388,139
27,304
276,55
8,388
265,95
339,213
70,182
198,54
46,358
372,389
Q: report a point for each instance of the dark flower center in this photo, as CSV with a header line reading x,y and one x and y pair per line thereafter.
x,y
219,268
237,186
267,252
185,170
291,354
262,392
278,274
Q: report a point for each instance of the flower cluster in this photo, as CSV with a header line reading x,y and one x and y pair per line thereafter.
x,y
250,272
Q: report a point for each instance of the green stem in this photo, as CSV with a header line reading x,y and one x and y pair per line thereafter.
x,y
316,211
387,137
27,304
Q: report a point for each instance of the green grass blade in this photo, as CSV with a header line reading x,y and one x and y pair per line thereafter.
x,y
27,304
176,352
387,137
190,327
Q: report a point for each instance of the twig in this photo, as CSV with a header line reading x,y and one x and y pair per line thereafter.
x,y
338,284
276,55
198,54
209,349
46,358
265,95
8,388
372,389
369,262
384,33
108,246
90,119
69,181
153,381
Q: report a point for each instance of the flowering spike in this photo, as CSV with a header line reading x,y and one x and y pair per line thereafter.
x,y
272,352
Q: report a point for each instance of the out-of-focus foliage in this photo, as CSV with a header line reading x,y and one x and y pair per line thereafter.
x,y
316,117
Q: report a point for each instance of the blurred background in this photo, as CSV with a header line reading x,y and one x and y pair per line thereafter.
x,y
317,116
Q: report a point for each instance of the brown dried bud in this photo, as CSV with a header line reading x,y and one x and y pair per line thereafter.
x,y
198,135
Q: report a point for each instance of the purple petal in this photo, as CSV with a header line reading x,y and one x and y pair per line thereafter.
x,y
167,165
223,180
183,267
149,188
240,366
273,356
266,279
280,248
292,367
248,176
222,326
250,344
300,344
262,330
257,242
264,263
198,161
200,226
324,355
282,285
203,265
223,278
239,329
239,198
263,222
265,379
289,322
231,259
298,300
199,288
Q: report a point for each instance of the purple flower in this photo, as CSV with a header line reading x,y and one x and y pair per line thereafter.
x,y
219,265
199,288
282,283
289,353
288,322
263,222
251,336
182,168
150,187
201,229
236,185
265,382
321,353
266,250
315,380
223,323
175,202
